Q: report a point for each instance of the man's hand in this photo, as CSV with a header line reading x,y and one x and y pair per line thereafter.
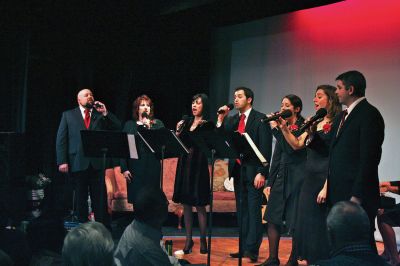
x,y
63,168
101,109
384,187
259,181
355,200
128,176
222,113
321,198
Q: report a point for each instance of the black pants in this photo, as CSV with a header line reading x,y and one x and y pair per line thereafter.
x,y
91,181
250,215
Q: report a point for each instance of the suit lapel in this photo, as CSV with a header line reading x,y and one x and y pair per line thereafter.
x,y
78,116
354,113
93,119
250,120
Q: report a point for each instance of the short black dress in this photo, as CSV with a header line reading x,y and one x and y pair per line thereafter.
x,y
286,178
192,180
311,232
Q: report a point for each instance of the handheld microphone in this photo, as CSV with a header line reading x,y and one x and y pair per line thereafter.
x,y
319,114
185,119
284,114
93,105
145,115
230,107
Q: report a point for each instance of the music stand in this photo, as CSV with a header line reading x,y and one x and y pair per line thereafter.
x,y
214,146
164,144
232,145
107,144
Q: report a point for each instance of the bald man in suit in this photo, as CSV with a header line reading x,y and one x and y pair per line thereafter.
x,y
86,172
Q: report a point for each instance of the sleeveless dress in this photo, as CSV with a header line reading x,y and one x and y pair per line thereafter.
x,y
286,179
311,233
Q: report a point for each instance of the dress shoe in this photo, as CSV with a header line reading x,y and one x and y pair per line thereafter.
x,y
188,250
235,255
253,257
203,246
270,262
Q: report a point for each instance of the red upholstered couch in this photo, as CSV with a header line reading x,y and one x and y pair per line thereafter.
x,y
224,201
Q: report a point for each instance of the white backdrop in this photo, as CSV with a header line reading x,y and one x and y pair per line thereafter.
x,y
295,52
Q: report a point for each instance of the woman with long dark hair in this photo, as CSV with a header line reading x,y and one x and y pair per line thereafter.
x,y
192,181
286,178
138,172
311,216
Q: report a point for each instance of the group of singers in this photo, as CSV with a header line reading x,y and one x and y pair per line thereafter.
x,y
335,159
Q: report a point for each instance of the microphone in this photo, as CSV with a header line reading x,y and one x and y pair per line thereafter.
x,y
319,114
93,105
185,119
145,115
284,114
230,107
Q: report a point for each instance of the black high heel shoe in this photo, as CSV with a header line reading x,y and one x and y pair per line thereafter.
x,y
189,249
203,246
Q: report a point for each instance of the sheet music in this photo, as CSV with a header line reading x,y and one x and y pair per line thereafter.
x,y
255,149
132,146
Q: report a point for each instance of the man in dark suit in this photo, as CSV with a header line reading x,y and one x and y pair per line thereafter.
x,y
356,151
87,172
252,183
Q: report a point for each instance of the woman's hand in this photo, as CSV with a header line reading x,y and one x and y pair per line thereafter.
x,y
128,176
179,125
267,192
321,198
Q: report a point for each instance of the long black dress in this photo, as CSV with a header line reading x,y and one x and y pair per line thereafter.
x,y
192,180
286,178
311,233
145,170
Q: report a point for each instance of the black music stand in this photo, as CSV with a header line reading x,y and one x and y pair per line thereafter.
x,y
107,144
164,144
232,145
214,146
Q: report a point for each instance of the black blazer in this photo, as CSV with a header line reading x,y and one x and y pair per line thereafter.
x,y
69,144
355,155
261,135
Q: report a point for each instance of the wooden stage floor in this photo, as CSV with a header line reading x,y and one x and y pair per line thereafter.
x,y
222,246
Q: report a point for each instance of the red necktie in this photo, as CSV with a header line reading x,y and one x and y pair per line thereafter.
x,y
87,118
241,128
342,122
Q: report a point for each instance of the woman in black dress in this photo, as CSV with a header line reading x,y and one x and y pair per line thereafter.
x,y
145,171
311,234
192,180
286,178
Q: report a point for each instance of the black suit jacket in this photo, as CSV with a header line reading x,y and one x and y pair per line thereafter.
x,y
261,135
355,155
69,144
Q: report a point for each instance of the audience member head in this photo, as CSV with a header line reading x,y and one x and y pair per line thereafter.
x,y
49,226
89,244
200,106
347,224
151,207
327,93
5,260
142,104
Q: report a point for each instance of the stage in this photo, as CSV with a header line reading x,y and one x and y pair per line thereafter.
x,y
222,246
